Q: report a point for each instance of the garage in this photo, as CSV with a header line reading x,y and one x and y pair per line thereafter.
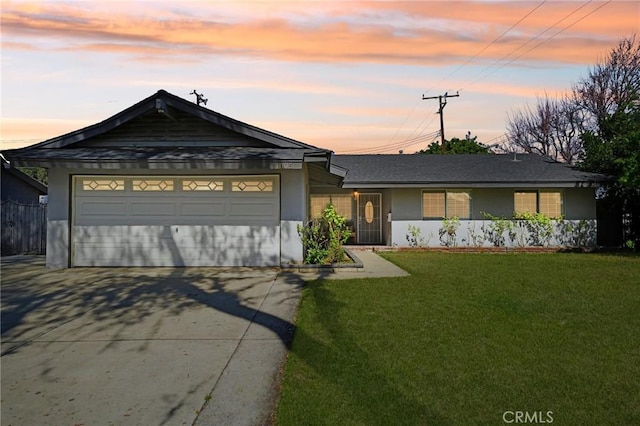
x,y
230,220
168,182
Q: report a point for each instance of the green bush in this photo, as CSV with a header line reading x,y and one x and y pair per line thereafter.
x,y
415,238
448,230
495,230
539,226
323,238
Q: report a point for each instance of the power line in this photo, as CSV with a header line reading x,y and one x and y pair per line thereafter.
x,y
494,139
461,66
394,146
477,77
495,40
405,120
397,145
555,34
422,125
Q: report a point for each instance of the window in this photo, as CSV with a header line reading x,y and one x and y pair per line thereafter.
x,y
342,202
439,204
252,186
548,203
433,205
202,185
103,184
152,184
526,202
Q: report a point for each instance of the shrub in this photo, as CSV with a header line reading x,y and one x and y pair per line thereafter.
x,y
476,239
448,231
539,226
580,234
323,238
496,228
415,238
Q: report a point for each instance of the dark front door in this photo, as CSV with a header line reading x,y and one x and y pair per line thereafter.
x,y
369,219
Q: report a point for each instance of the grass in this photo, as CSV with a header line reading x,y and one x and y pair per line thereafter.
x,y
467,337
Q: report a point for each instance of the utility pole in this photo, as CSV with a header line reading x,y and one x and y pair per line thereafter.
x,y
442,100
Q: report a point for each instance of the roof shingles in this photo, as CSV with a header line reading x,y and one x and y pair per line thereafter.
x,y
475,170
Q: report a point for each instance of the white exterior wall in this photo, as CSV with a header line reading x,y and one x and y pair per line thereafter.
x,y
470,233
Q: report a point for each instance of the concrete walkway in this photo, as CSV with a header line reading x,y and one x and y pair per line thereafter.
x,y
374,267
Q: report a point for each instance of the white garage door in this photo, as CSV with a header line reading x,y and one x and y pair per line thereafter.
x,y
176,221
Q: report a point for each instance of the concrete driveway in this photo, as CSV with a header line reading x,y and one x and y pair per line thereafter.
x,y
142,346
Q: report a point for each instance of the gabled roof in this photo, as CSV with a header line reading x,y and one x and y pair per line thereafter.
x,y
466,170
159,101
163,131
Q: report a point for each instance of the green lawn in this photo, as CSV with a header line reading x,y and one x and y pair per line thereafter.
x,y
467,337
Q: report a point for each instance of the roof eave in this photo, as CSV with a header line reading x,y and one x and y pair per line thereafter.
x,y
514,184
194,164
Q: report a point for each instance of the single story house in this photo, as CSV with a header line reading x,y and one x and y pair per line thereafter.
x,y
167,182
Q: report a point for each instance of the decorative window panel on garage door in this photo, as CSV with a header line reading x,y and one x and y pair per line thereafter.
x,y
176,221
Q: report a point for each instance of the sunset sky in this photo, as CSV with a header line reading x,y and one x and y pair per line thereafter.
x,y
343,75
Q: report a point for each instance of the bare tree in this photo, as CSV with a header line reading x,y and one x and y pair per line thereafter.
x,y
567,125
552,129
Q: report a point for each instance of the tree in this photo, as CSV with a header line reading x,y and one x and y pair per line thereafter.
x,y
469,145
597,126
611,96
552,129
611,88
38,173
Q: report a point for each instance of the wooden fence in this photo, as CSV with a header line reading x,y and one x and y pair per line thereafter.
x,y
24,228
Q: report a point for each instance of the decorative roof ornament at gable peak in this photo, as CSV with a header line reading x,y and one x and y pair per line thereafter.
x,y
199,97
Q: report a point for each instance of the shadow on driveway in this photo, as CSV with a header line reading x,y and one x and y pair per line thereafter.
x,y
131,345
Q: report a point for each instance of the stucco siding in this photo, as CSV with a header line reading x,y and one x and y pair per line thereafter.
x,y
477,233
387,201
579,203
494,201
58,236
322,189
406,204
293,212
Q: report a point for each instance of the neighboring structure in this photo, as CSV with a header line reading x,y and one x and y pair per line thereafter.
x,y
19,187
23,218
169,183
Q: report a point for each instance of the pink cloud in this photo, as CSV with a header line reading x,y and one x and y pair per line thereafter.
x,y
342,37
19,132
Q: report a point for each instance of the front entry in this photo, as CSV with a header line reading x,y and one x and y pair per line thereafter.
x,y
369,230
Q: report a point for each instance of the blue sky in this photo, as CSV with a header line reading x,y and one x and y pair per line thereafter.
x,y
347,76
